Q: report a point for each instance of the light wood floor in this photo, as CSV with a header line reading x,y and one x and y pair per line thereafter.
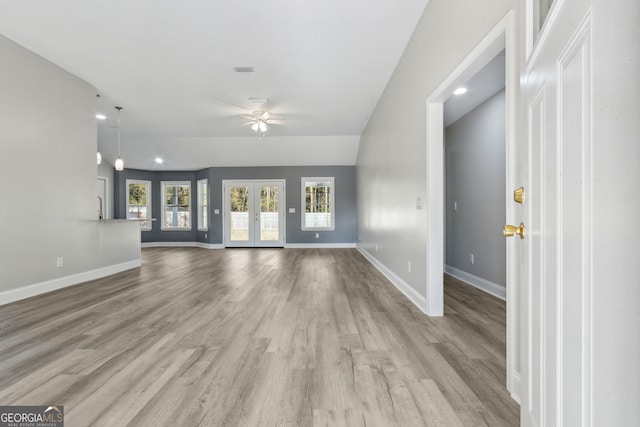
x,y
256,337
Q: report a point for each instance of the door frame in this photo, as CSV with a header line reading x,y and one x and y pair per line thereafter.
x,y
225,226
105,202
503,36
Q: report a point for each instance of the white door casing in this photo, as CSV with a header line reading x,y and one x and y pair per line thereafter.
x,y
503,35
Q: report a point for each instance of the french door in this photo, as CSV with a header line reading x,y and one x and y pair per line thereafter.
x,y
254,213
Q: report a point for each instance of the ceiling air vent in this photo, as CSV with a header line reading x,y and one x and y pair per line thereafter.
x,y
243,69
259,101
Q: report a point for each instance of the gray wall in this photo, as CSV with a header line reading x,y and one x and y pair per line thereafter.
x,y
475,179
345,199
48,145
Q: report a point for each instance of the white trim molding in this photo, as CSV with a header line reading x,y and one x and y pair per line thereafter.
x,y
477,282
418,300
29,291
319,245
181,245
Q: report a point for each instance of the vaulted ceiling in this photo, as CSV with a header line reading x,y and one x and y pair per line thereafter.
x,y
322,66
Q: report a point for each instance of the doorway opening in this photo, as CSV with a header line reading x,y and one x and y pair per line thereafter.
x,y
501,38
254,213
475,179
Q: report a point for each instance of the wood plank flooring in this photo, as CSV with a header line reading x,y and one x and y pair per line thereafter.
x,y
256,337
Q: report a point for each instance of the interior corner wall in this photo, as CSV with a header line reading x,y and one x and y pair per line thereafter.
x,y
48,150
391,167
475,182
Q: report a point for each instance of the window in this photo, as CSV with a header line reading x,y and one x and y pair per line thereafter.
x,y
139,202
318,210
203,204
176,205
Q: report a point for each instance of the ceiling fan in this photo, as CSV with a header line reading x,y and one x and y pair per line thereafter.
x,y
260,121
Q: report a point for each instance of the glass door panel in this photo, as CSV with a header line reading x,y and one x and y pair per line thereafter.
x,y
238,210
269,214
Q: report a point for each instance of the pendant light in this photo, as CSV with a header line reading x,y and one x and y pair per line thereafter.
x,y
99,157
119,162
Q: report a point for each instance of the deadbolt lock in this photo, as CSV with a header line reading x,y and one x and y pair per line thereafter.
x,y
511,230
518,195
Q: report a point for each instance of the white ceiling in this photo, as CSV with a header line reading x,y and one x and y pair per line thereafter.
x,y
322,65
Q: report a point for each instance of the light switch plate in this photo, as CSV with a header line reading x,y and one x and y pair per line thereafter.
x,y
292,210
216,211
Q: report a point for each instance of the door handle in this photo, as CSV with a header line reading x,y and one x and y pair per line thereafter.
x,y
511,230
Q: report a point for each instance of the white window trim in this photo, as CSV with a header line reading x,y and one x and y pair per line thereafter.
x,y
163,205
204,181
149,188
332,202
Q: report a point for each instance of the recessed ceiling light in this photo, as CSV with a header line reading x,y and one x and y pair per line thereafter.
x,y
100,116
460,91
159,160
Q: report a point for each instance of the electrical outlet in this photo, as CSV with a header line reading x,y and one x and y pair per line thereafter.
x,y
409,266
317,235
216,211
472,259
59,262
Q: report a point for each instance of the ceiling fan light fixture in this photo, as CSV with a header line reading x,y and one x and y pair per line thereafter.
x,y
263,126
255,127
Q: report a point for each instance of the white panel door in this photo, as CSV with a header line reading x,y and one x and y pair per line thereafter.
x,y
254,213
559,266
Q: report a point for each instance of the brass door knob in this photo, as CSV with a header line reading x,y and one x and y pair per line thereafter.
x,y
511,230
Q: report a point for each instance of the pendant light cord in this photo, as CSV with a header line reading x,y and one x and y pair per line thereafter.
x,y
118,108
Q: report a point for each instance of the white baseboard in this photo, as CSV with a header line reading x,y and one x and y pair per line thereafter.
x,y
477,282
418,300
319,245
29,291
181,245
